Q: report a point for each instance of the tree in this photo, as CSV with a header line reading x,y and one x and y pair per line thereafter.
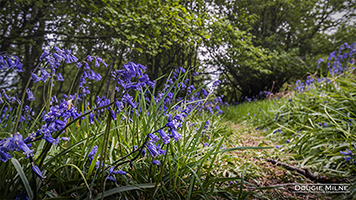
x,y
156,33
246,70
295,29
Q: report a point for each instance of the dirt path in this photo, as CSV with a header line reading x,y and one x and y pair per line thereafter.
x,y
262,173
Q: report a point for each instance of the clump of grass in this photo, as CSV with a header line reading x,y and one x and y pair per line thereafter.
x,y
256,113
317,124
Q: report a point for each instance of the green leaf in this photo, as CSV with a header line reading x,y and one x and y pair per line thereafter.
x,y
23,177
123,189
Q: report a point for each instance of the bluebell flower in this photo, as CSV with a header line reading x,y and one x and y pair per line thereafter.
x,y
119,105
92,153
348,152
60,77
205,93
347,158
152,149
58,50
30,96
216,83
14,143
150,83
79,64
160,151
156,162
320,60
110,178
128,99
112,113
153,137
288,141
144,78
19,66
54,99
35,78
166,139
50,139
89,58
111,169
332,55
4,156
279,146
143,152
189,89
38,172
9,62
22,196
120,172
205,144
74,59
277,131
44,75
97,61
65,138
179,117
106,65
207,123
175,135
44,54
58,57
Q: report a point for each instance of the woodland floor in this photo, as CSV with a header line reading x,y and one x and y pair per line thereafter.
x,y
262,173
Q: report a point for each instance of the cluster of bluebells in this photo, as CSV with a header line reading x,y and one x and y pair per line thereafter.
x,y
60,111
111,170
130,77
13,143
152,145
8,111
309,83
348,155
10,62
277,131
322,125
262,95
188,94
338,62
349,121
5,97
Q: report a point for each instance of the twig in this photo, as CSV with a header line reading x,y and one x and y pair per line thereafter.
x,y
307,173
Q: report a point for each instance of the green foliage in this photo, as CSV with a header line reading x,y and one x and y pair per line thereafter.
x,y
291,36
253,113
162,34
319,123
187,169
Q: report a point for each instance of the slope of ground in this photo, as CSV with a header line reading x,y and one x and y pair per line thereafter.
x,y
275,182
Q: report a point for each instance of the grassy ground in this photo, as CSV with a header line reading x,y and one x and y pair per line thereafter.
x,y
275,182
